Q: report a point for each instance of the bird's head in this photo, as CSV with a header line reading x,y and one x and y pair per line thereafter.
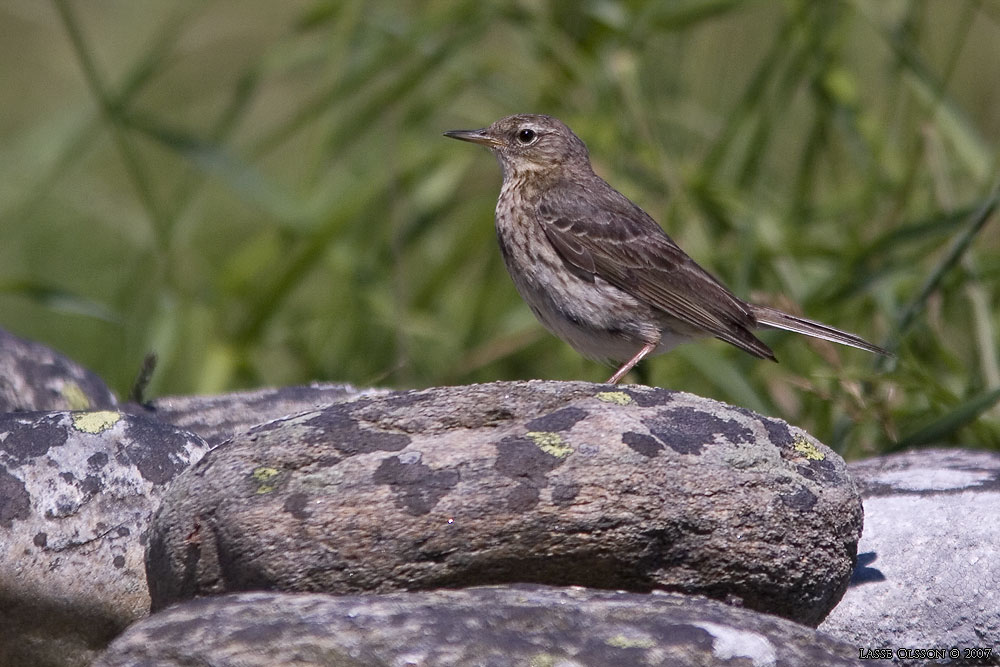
x,y
527,143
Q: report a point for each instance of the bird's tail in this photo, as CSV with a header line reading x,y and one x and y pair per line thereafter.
x,y
776,319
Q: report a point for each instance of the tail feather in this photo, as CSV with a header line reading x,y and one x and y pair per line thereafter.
x,y
776,319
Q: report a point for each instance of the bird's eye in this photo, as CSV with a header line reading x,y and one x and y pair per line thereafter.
x,y
526,136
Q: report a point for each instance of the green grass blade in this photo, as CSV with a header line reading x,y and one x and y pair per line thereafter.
x,y
943,430
60,300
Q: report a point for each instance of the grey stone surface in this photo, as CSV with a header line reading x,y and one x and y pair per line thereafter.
x,y
929,560
36,377
485,627
218,418
77,490
542,482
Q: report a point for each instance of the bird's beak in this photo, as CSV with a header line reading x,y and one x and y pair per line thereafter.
x,y
475,136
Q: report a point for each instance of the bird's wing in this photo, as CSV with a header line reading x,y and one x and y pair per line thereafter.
x,y
598,230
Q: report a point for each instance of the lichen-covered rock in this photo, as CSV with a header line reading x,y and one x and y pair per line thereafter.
x,y
36,377
218,418
928,572
494,626
543,482
77,490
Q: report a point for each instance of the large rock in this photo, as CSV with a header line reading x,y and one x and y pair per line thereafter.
x,y
544,482
36,377
929,561
493,627
218,418
77,490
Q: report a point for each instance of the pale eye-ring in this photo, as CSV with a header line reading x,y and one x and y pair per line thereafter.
x,y
526,136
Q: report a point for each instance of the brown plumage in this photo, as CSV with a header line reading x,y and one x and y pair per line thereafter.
x,y
600,273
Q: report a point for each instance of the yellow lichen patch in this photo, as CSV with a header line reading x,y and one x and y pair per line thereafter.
x,y
808,450
75,398
264,477
550,443
621,641
616,397
542,660
96,422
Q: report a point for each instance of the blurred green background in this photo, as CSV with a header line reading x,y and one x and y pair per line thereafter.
x,y
260,193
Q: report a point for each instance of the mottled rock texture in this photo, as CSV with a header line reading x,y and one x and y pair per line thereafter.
x,y
218,418
929,562
77,490
36,377
543,482
486,627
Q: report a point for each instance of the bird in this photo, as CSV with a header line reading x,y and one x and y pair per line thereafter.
x,y
599,272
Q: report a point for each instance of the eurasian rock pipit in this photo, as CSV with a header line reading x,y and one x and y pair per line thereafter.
x,y
600,273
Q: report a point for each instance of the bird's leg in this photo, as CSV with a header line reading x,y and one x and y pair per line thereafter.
x,y
628,365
